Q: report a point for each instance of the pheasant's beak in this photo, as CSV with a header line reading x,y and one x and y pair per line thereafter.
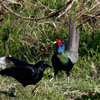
x,y
55,42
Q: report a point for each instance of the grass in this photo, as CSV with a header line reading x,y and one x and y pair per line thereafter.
x,y
32,41
82,83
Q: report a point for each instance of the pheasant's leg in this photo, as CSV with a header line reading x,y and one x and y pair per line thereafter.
x,y
52,78
67,76
54,75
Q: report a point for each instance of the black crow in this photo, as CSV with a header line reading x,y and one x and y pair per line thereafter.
x,y
24,72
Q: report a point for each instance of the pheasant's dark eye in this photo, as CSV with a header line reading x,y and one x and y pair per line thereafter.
x,y
44,62
61,45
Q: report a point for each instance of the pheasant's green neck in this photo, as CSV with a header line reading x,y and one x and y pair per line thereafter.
x,y
63,57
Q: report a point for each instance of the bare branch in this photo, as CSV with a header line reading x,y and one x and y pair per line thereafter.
x,y
49,16
45,6
88,20
6,2
68,8
87,11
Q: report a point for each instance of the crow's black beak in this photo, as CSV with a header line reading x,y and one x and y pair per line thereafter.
x,y
45,64
49,66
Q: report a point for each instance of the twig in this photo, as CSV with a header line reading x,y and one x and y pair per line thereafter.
x,y
88,20
44,30
43,45
87,11
33,19
46,7
54,24
69,7
11,2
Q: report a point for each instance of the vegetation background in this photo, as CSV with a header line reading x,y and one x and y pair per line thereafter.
x,y
32,40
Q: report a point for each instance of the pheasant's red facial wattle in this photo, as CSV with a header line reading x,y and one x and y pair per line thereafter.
x,y
58,41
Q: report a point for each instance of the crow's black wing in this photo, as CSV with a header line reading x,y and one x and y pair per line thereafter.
x,y
18,62
18,72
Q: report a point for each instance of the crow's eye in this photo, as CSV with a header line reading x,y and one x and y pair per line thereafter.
x,y
44,63
32,74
